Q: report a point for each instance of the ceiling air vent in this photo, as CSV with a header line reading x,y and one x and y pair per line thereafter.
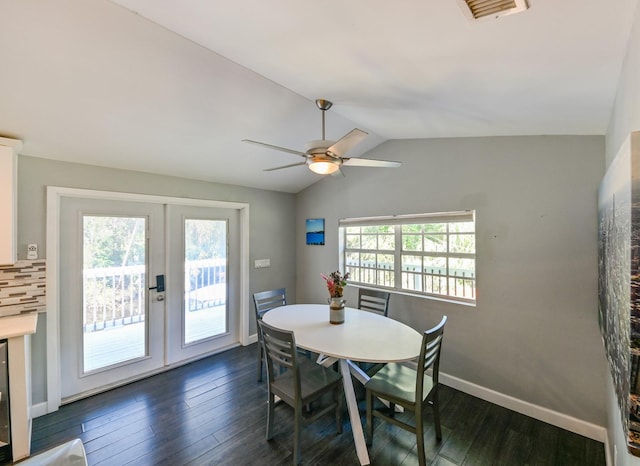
x,y
485,9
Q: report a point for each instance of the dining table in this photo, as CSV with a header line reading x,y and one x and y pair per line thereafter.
x,y
363,337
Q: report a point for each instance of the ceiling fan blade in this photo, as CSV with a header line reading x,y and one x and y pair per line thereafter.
x,y
358,162
284,166
347,141
282,149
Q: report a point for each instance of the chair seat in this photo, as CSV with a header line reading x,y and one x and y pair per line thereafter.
x,y
397,382
314,380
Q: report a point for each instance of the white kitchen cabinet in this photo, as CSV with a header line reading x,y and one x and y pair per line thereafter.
x,y
9,149
18,330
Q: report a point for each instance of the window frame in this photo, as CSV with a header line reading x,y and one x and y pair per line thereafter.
x,y
447,279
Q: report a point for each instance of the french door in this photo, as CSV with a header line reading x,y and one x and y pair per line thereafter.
x,y
145,286
202,243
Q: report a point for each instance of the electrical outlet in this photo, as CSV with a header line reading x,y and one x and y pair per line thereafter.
x,y
262,263
32,251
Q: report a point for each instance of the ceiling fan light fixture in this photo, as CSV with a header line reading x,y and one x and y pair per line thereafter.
x,y
323,167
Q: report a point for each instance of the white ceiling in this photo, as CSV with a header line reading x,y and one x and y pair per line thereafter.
x,y
172,86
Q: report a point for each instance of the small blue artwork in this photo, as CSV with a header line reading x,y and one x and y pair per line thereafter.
x,y
315,231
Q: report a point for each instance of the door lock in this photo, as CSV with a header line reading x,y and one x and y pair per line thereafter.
x,y
159,284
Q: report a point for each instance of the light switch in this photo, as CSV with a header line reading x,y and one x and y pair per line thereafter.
x,y
262,263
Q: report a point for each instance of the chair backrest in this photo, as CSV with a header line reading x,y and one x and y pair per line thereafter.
x,y
280,352
430,356
264,301
374,301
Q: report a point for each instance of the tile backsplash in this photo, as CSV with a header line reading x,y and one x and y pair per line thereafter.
x,y
23,287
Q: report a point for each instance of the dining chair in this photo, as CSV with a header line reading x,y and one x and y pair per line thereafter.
x,y
301,382
378,302
263,302
374,301
410,388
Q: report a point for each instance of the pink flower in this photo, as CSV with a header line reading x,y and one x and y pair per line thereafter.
x,y
335,283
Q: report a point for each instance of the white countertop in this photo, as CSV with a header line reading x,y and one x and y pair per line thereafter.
x,y
18,325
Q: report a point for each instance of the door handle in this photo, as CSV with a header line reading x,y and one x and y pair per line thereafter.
x,y
159,284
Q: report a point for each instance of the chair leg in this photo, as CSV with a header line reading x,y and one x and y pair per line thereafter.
x,y
436,415
271,402
260,360
392,410
369,436
420,437
296,433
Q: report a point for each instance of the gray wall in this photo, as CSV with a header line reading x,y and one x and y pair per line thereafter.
x,y
625,118
534,333
272,226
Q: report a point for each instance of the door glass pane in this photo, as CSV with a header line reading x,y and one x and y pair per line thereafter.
x,y
114,290
205,279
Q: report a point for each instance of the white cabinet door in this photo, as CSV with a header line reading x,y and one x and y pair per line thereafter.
x,y
9,149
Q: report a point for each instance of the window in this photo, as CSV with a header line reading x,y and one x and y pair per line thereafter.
x,y
426,254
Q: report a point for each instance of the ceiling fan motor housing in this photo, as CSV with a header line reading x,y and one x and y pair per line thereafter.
x,y
318,146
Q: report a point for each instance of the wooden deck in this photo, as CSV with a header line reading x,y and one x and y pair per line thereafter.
x,y
124,342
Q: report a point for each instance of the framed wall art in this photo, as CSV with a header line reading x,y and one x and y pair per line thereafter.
x,y
315,231
619,281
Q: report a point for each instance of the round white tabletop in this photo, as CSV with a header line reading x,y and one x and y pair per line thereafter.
x,y
364,336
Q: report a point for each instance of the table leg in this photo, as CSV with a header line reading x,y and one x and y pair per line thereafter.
x,y
360,375
326,361
354,414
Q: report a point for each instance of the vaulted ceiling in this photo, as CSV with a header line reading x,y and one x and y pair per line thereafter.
x,y
173,86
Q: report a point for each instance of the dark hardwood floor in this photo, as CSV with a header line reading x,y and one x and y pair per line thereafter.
x,y
213,412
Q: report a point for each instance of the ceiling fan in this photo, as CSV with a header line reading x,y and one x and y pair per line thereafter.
x,y
324,156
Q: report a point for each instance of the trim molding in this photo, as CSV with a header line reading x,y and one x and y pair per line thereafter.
x,y
39,409
540,413
55,194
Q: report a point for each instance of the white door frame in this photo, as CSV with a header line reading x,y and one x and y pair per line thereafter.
x,y
54,199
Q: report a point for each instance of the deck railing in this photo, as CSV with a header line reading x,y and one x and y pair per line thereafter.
x,y
431,280
115,296
205,283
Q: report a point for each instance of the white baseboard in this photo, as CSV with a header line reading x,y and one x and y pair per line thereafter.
x,y
252,338
563,421
39,409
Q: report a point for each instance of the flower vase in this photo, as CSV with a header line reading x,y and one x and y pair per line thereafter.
x,y
336,310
